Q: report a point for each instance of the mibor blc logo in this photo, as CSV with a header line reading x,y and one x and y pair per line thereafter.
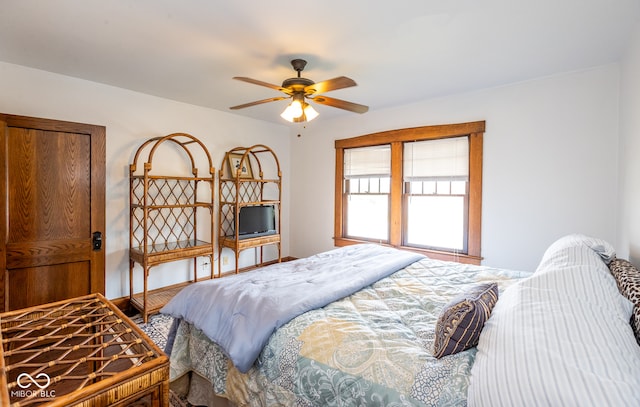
x,y
33,386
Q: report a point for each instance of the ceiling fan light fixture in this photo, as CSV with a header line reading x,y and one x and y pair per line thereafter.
x,y
309,112
294,111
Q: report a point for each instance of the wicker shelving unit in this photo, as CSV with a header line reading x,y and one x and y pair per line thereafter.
x,y
256,181
165,211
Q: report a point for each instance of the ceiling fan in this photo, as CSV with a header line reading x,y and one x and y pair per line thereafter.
x,y
300,90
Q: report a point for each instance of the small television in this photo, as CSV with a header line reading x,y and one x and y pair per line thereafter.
x,y
257,220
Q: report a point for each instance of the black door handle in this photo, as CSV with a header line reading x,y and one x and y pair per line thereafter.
x,y
97,240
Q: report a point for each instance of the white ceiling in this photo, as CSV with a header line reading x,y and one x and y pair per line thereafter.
x,y
398,51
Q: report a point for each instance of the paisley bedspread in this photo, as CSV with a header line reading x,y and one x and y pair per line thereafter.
x,y
371,348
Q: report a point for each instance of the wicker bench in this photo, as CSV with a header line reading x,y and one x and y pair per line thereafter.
x,y
79,352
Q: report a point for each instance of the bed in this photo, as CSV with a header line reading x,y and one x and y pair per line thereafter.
x,y
382,344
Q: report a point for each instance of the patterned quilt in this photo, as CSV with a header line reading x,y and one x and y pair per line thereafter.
x,y
371,348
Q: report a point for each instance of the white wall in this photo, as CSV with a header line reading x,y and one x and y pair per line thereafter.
x,y
629,219
550,156
130,119
550,163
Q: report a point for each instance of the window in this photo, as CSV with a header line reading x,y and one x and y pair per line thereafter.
x,y
435,177
418,188
367,173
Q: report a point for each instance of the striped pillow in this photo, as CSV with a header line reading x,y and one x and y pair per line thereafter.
x,y
559,338
460,322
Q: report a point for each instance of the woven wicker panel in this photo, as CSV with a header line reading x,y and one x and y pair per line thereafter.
x,y
165,200
227,191
171,191
137,191
161,225
250,192
50,351
227,220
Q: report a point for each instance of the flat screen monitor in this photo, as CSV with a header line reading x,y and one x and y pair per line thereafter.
x,y
258,219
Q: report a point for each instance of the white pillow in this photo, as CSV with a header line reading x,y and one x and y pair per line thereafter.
x,y
561,337
599,246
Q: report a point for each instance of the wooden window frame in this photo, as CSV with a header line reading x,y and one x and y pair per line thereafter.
x,y
397,138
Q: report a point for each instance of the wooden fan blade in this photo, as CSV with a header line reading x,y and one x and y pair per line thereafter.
x,y
261,83
340,104
257,102
340,82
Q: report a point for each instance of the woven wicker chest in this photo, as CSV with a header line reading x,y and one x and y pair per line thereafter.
x,y
79,352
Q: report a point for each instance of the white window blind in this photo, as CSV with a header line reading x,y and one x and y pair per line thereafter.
x,y
367,161
442,159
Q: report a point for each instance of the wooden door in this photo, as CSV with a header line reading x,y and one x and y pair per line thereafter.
x,y
52,201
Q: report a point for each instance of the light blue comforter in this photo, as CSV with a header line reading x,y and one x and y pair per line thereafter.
x,y
240,312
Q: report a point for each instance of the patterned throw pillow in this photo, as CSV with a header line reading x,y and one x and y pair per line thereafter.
x,y
628,280
460,322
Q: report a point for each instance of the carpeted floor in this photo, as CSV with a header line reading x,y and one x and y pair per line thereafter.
x,y
157,328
